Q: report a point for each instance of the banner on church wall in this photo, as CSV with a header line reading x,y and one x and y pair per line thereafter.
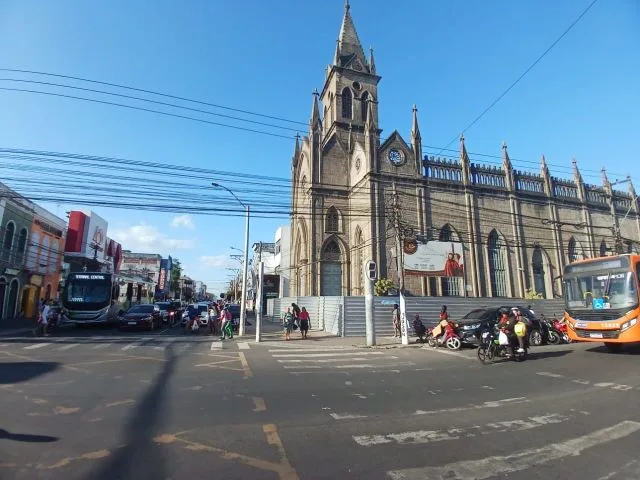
x,y
433,258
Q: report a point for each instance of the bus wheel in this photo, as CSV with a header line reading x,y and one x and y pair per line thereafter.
x,y
614,347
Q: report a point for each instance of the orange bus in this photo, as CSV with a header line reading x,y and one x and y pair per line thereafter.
x,y
601,300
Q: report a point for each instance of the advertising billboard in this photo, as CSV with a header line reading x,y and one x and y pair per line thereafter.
x,y
87,236
433,258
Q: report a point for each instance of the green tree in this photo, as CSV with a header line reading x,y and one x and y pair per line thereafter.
x,y
176,273
382,286
531,294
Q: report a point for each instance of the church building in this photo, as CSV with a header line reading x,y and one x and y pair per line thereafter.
x,y
359,195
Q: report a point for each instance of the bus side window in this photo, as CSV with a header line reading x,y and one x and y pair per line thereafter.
x,y
638,273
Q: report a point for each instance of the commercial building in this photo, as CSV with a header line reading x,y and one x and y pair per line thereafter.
x,y
457,227
282,258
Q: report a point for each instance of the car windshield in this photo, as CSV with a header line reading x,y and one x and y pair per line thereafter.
x,y
163,306
202,308
141,309
601,290
479,314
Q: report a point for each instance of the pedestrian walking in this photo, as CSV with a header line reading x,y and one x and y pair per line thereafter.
x,y
304,322
287,323
395,317
41,327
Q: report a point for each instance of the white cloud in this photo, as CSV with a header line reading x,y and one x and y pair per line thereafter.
x,y
149,239
183,221
215,261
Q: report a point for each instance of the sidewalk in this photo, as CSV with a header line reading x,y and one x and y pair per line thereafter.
x,y
15,326
273,332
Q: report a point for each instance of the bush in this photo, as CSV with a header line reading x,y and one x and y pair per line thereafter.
x,y
531,294
382,287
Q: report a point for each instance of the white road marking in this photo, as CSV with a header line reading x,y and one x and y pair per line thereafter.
x,y
385,371
36,345
314,355
604,384
429,436
316,350
515,462
368,365
550,374
635,473
216,345
490,404
328,360
243,346
131,346
346,416
324,372
101,345
449,352
69,346
305,367
348,383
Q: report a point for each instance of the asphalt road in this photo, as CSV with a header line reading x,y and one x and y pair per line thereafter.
x,y
101,404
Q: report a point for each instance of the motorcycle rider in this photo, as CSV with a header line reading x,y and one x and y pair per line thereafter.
x,y
516,328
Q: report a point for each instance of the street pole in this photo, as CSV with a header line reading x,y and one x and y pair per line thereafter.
x,y
245,267
259,309
400,266
369,274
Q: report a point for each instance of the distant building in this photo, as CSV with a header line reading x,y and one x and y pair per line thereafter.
x,y
282,258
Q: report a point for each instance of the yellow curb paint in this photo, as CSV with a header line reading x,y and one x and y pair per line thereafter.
x,y
245,365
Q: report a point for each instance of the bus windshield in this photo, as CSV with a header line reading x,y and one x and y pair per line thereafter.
x,y
87,291
602,290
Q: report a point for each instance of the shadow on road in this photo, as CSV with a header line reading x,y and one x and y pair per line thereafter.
x,y
16,372
139,457
533,355
26,437
632,349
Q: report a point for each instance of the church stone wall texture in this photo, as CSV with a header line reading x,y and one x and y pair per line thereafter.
x,y
519,229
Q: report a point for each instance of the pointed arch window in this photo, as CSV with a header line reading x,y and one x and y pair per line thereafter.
x,y
539,279
572,251
333,220
347,103
9,232
364,106
446,234
603,248
331,270
22,241
497,252
450,285
358,245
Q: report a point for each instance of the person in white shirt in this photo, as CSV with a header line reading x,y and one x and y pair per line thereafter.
x,y
44,319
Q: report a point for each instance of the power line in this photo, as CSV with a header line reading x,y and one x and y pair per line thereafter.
x,y
142,90
510,87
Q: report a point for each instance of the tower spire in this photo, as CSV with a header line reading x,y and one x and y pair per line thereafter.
x,y
315,110
415,129
372,62
506,161
576,173
349,52
464,156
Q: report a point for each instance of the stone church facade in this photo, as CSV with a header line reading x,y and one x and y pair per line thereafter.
x,y
518,229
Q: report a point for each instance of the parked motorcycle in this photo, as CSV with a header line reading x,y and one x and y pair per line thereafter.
x,y
561,328
553,335
450,338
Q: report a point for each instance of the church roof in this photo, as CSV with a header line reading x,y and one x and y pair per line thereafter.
x,y
349,52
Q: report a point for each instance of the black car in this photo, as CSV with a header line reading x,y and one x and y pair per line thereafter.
x,y
148,316
476,322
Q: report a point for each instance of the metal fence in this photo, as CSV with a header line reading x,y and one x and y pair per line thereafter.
x,y
345,316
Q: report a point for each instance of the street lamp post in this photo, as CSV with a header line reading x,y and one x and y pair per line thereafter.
x,y
243,304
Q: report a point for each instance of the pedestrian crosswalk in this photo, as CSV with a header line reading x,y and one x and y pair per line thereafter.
x,y
128,345
338,359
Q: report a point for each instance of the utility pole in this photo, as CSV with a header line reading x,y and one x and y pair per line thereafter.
x,y
615,225
259,311
370,273
404,331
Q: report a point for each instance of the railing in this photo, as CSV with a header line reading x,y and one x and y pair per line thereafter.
x,y
596,195
442,169
487,176
529,183
565,189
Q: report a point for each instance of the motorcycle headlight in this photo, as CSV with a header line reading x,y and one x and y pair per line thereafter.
x,y
628,324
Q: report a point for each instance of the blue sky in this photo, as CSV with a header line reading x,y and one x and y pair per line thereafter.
x,y
450,57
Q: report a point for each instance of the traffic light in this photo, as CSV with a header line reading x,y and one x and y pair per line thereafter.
x,y
372,270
